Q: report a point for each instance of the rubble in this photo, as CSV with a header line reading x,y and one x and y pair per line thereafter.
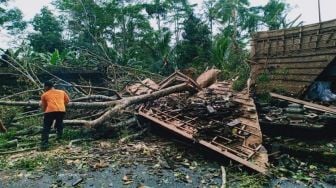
x,y
294,112
206,111
215,117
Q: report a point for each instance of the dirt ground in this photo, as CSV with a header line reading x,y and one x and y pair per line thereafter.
x,y
151,161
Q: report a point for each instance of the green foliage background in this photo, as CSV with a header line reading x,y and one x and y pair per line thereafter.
x,y
155,35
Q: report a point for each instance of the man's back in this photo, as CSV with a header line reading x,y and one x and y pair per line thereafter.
x,y
54,100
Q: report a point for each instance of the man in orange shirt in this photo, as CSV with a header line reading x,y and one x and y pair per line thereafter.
x,y
53,102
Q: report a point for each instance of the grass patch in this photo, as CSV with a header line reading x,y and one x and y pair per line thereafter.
x,y
72,134
30,164
4,137
264,97
32,121
244,179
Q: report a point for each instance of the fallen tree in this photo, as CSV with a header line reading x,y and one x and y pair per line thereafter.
x,y
116,106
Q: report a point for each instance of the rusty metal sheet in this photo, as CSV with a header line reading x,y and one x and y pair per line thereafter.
x,y
239,136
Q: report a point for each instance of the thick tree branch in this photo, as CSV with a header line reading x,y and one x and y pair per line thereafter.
x,y
125,102
76,105
93,87
118,105
94,97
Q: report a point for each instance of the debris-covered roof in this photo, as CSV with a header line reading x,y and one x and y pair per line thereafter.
x,y
215,117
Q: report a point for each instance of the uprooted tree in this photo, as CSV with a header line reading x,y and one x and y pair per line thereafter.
x,y
112,106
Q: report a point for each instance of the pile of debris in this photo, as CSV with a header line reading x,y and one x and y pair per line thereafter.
x,y
205,111
287,111
214,116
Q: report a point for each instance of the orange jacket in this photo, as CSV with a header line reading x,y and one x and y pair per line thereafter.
x,y
54,100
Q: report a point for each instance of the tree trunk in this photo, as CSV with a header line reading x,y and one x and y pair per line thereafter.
x,y
125,102
118,105
76,105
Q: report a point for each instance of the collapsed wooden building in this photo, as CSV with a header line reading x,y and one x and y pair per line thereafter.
x,y
213,116
298,62
292,59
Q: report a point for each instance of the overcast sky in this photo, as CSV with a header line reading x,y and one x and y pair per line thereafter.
x,y
307,9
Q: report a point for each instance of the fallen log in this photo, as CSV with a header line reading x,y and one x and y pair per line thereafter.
x,y
20,93
125,123
117,105
28,116
93,87
17,151
95,97
29,131
207,78
125,102
76,105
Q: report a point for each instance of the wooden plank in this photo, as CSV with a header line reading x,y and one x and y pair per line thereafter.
x,y
294,52
299,78
326,43
293,71
305,103
280,70
294,89
312,37
306,37
280,59
298,65
306,28
294,57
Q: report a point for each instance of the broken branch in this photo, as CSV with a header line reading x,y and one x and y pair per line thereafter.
x,y
71,104
94,97
125,102
223,177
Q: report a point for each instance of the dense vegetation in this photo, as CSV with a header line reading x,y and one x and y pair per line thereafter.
x,y
155,35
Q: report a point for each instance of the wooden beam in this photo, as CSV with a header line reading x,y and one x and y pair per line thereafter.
x,y
305,103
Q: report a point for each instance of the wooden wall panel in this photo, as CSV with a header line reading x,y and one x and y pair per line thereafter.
x,y
293,58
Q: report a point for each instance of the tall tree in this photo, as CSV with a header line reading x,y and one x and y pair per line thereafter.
x,y
48,32
11,19
194,49
275,15
157,9
88,23
114,30
179,11
209,6
238,20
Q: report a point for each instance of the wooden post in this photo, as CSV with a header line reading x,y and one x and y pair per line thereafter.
x,y
319,10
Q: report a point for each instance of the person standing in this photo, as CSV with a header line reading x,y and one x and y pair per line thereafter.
x,y
53,103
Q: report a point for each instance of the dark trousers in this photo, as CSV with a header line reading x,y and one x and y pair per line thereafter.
x,y
47,123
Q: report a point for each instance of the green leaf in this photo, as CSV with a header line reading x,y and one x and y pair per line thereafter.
x,y
55,58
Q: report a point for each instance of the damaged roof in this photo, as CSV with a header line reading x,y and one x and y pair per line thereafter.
x,y
215,117
293,58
